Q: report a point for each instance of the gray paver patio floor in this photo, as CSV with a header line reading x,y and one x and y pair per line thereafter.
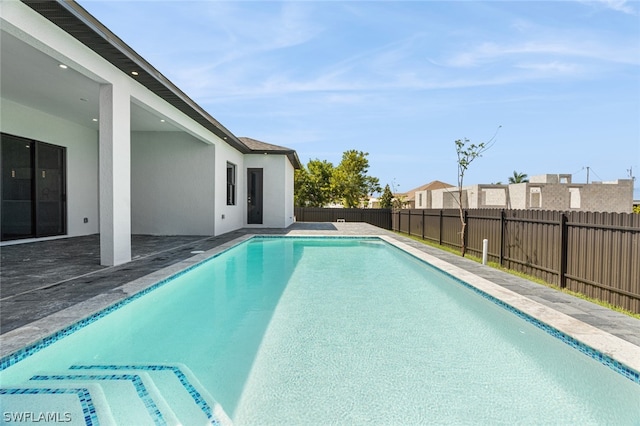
x,y
42,278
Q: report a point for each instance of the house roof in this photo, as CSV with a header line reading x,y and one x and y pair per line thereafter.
x,y
76,21
259,147
436,184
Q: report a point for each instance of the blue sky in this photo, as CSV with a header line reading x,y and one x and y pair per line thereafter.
x,y
403,80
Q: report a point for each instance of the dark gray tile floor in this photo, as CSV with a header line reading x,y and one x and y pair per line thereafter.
x,y
42,278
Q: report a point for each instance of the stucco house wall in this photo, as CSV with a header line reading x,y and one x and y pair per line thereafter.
x,y
423,199
229,217
277,174
517,196
172,184
447,198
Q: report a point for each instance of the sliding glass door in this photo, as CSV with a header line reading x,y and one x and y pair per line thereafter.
x,y
33,188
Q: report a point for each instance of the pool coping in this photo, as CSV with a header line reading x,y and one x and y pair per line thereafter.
x,y
20,340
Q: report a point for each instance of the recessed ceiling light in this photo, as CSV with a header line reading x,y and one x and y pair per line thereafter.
x,y
134,72
63,66
95,119
162,120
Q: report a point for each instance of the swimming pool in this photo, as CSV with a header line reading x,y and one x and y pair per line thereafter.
x,y
288,330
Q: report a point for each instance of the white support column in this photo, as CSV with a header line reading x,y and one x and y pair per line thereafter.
x,y
115,175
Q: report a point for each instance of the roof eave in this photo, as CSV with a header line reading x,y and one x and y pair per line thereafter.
x,y
80,24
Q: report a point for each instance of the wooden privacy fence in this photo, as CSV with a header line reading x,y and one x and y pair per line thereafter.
x,y
378,217
596,254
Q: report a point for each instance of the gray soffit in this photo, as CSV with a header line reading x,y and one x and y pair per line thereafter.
x,y
79,23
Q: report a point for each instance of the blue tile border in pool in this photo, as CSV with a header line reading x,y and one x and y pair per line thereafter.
x,y
140,388
197,397
604,359
88,408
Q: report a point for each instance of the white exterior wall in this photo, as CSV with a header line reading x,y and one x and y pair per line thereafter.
x,y
446,198
172,184
473,194
518,195
277,197
289,172
81,144
421,200
234,216
437,197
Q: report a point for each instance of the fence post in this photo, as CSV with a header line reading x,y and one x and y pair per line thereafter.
x,y
423,224
562,273
466,230
409,227
440,230
502,226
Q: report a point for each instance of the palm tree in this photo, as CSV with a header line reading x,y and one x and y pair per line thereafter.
x,y
518,177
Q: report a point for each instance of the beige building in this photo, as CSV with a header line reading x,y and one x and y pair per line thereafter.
x,y
544,192
418,198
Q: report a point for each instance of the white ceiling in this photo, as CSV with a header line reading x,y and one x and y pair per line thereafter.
x,y
34,79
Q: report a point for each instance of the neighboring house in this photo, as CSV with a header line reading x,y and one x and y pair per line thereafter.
x,y
96,140
544,192
417,198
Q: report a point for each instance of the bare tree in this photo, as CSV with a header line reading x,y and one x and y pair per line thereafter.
x,y
466,154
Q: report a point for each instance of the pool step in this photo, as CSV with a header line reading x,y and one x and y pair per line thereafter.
x,y
132,398
158,394
184,394
71,404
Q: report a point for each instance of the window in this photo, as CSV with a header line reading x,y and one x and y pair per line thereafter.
x,y
231,184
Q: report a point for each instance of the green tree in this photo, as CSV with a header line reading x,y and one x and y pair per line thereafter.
x,y
386,199
350,181
399,202
312,184
466,154
518,177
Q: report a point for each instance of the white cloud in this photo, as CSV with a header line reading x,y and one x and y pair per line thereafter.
x,y
623,6
554,67
492,52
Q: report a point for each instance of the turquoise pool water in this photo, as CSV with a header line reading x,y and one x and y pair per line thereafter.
x,y
346,331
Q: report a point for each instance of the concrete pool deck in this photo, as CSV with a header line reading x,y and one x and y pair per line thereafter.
x,y
49,285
